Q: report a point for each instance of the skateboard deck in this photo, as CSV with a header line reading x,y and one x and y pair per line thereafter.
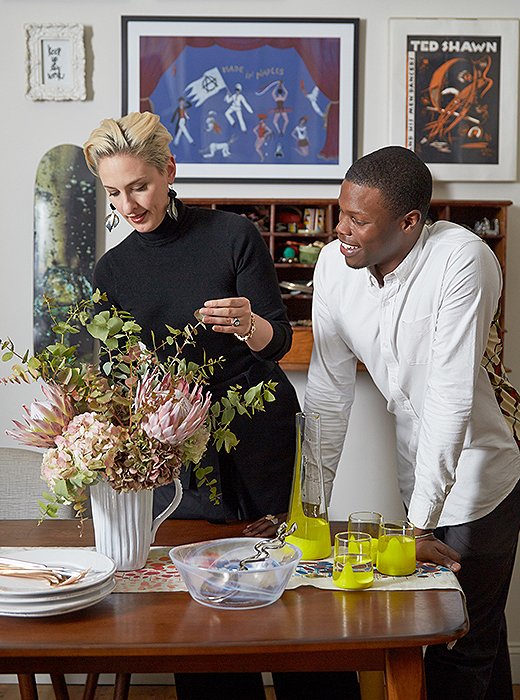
x,y
64,240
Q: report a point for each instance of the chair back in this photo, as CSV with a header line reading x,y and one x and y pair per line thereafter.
x,y
21,486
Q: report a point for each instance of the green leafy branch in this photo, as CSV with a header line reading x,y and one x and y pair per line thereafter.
x,y
223,412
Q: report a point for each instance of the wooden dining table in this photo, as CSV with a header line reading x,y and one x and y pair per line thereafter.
x,y
307,629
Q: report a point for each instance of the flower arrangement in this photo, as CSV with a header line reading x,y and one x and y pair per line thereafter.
x,y
133,419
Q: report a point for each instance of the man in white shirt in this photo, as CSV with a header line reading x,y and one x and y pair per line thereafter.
x,y
415,303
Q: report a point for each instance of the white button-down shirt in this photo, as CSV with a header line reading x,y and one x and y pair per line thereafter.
x,y
421,336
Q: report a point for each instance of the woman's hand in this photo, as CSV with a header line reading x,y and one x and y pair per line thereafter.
x,y
232,315
266,526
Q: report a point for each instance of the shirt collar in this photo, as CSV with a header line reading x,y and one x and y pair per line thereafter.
x,y
403,270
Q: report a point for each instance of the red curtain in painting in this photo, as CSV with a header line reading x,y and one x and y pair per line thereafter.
x,y
321,57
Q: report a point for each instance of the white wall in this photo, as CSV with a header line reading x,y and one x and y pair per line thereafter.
x,y
29,129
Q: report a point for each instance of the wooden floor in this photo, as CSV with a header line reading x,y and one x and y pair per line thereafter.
x,y
105,692
137,692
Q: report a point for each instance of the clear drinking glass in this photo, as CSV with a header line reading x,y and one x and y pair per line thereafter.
x,y
396,551
353,565
369,522
308,507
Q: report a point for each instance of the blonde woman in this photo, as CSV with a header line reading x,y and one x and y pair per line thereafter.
x,y
178,260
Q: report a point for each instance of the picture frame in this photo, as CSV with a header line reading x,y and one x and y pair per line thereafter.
x,y
253,99
453,87
55,64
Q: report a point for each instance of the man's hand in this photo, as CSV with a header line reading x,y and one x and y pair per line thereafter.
x,y
430,549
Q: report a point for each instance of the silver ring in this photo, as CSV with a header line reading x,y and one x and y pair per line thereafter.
x,y
272,519
235,322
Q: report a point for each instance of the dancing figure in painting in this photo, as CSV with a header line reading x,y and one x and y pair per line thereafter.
x,y
180,117
221,147
262,132
299,134
312,96
279,95
212,123
236,101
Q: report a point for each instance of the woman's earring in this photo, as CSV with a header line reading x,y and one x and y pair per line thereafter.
x,y
112,219
172,208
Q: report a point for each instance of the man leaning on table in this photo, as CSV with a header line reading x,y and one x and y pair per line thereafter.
x,y
415,303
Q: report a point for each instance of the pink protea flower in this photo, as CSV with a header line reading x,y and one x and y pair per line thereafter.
x,y
152,387
45,419
178,417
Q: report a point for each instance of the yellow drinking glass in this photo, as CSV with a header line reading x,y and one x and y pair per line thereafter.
x,y
396,551
353,566
369,522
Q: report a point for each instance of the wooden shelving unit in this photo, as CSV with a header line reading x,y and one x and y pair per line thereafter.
x,y
273,217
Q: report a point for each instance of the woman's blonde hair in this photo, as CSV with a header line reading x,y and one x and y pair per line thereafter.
x,y
138,134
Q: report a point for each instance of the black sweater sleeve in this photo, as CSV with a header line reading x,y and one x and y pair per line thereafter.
x,y
257,280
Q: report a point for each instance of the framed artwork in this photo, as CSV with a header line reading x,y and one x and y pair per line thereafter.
x,y
55,61
454,95
247,99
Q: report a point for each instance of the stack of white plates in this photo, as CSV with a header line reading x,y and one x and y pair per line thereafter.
x,y
21,597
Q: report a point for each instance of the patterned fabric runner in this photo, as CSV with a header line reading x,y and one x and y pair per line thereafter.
x,y
160,574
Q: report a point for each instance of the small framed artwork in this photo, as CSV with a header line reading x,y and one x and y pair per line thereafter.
x,y
55,61
453,95
247,99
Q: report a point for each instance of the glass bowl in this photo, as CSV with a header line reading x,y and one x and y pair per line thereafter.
x,y
211,572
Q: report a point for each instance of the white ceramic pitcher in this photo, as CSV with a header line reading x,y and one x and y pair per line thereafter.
x,y
124,528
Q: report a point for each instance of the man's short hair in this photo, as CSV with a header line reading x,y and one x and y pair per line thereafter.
x,y
399,174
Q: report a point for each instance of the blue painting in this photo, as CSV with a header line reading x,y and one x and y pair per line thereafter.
x,y
249,99
259,105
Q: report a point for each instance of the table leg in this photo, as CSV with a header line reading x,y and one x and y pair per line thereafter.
x,y
122,686
372,685
404,670
59,686
27,686
91,684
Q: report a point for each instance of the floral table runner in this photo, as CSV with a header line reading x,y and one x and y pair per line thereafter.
x,y
160,574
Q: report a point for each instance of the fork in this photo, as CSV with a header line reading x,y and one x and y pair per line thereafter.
x,y
55,575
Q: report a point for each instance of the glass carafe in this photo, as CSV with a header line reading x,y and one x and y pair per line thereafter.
x,y
308,508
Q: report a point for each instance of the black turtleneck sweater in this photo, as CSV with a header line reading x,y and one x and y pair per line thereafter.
x,y
163,276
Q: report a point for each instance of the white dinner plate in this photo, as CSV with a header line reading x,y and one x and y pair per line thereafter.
x,y
59,595
45,608
100,567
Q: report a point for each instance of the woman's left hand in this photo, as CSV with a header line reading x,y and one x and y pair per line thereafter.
x,y
266,526
231,315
